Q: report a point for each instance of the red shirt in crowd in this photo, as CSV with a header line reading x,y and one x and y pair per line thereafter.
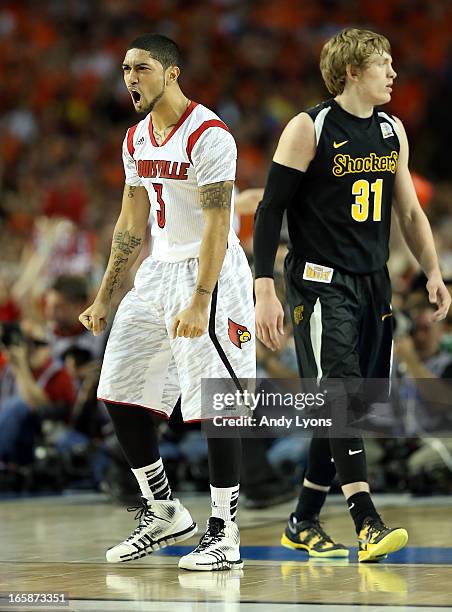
x,y
60,387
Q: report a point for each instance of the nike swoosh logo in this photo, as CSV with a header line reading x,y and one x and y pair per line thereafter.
x,y
352,452
352,505
385,316
336,145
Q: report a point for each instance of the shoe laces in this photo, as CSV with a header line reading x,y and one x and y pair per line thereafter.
x,y
375,524
144,514
318,527
214,533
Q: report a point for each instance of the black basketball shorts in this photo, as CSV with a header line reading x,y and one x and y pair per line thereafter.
x,y
342,322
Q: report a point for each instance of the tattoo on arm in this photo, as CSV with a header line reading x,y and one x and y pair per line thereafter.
x,y
123,245
216,195
124,242
202,291
131,191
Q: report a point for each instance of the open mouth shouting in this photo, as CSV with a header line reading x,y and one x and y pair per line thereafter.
x,y
136,96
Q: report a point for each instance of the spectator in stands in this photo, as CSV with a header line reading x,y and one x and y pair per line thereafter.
x,y
9,310
421,360
56,247
68,105
425,393
67,297
33,387
88,417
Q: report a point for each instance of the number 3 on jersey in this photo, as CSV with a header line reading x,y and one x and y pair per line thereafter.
x,y
161,218
361,190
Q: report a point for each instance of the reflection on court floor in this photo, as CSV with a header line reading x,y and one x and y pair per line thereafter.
x,y
58,545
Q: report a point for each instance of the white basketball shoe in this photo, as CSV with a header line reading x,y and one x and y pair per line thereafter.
x,y
218,549
162,522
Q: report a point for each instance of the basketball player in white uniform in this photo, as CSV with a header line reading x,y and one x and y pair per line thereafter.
x,y
190,314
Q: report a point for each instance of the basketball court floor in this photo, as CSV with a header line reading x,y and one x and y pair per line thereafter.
x,y
57,545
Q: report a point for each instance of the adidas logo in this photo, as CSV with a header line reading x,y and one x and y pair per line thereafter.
x,y
140,141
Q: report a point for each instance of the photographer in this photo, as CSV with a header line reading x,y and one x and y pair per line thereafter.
x,y
419,354
33,387
426,391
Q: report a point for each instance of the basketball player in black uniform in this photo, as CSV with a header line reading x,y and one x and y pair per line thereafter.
x,y
336,170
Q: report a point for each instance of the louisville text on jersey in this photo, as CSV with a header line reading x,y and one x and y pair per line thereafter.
x,y
346,164
161,168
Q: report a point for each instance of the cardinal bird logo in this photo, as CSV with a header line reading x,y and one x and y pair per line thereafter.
x,y
238,334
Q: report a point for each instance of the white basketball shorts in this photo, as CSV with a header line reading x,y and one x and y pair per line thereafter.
x,y
144,366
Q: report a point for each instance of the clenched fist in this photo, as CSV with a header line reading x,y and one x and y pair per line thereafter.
x,y
191,322
95,317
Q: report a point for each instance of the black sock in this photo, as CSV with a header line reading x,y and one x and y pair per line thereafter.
x,y
136,430
361,506
309,504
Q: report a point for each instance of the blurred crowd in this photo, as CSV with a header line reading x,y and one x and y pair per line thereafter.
x,y
64,112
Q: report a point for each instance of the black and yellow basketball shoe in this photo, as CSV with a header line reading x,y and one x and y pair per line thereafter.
x,y
376,540
309,536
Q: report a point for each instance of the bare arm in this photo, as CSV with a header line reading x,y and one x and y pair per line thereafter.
x,y
28,388
413,221
215,201
128,238
296,146
416,229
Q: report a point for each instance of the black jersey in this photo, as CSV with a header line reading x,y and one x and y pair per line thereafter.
x,y
341,216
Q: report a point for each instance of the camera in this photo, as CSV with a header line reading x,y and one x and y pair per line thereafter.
x,y
11,334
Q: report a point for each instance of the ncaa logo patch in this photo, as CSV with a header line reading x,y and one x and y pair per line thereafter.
x,y
386,129
238,334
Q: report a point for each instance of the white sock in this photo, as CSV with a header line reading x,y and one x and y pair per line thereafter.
x,y
153,481
224,502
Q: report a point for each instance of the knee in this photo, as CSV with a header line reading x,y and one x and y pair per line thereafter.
x,y
13,408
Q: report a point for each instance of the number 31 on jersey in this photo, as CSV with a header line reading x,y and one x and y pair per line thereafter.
x,y
361,190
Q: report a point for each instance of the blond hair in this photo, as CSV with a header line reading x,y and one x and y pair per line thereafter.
x,y
349,47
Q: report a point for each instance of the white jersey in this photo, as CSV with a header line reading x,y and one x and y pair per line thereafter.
x,y
198,151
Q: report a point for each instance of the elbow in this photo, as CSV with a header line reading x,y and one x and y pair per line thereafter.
x,y
405,217
413,218
405,221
